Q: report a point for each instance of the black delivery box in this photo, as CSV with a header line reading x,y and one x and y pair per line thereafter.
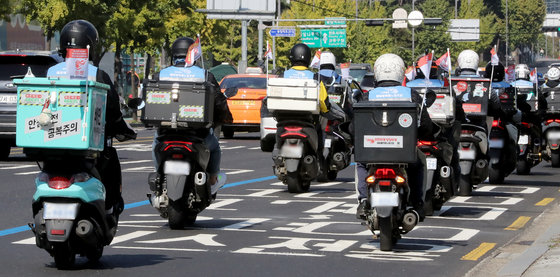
x,y
530,96
552,100
385,132
474,93
178,104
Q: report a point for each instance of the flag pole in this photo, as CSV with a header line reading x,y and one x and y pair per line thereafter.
x,y
449,72
492,74
201,53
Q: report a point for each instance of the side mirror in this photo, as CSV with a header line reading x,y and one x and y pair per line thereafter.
x,y
136,103
230,92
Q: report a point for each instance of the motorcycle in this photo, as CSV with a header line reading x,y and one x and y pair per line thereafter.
x,y
503,150
530,135
180,187
439,178
551,128
69,210
295,156
473,146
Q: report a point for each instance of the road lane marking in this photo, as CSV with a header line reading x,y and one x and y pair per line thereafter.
x,y
544,202
478,252
130,236
140,169
526,190
27,173
19,166
518,223
135,162
233,147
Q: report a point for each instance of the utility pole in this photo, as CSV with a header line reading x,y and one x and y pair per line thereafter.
x,y
507,35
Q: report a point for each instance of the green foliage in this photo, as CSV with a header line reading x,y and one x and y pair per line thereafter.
x,y
5,9
525,21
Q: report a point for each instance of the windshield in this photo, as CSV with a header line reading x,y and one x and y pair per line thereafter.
x,y
18,65
244,82
358,74
368,81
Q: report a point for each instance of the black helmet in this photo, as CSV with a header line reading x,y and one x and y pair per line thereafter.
x,y
180,47
301,54
499,72
78,34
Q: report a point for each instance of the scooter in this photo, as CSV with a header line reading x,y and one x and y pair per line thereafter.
x,y
503,151
388,197
530,147
180,186
69,210
295,156
337,152
439,177
473,147
551,127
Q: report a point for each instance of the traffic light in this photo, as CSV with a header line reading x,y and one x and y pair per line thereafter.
x,y
550,28
375,22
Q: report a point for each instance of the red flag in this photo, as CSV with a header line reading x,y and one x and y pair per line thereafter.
x,y
425,64
268,53
410,73
444,61
316,60
533,76
494,60
194,52
345,70
510,73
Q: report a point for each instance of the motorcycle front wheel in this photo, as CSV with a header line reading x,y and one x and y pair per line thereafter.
x,y
495,175
523,166
177,215
555,158
465,187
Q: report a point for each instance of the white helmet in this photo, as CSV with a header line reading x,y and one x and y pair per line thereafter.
x,y
468,59
522,72
553,74
328,58
389,67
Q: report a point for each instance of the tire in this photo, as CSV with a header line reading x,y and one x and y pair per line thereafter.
x,y
331,175
496,175
95,255
228,132
386,233
296,184
190,218
64,257
465,187
177,216
555,159
267,146
323,177
4,150
523,167
429,203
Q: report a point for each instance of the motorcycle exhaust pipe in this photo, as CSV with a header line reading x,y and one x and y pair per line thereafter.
x,y
445,172
338,157
410,219
200,178
86,231
310,167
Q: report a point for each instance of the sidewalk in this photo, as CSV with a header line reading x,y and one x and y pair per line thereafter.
x,y
533,253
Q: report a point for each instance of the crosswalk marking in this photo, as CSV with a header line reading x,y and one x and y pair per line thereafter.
x,y
130,236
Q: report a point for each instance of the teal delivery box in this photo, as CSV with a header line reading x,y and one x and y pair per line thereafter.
x,y
60,114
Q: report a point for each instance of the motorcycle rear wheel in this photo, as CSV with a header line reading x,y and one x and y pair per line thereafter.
x,y
177,216
95,254
386,233
555,158
428,203
495,175
523,166
64,257
465,187
296,184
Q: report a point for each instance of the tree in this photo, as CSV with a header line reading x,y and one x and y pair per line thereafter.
x,y
435,38
6,7
525,21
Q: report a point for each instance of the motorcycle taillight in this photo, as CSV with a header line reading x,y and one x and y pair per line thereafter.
x,y
59,182
467,132
385,173
293,131
497,124
79,177
43,177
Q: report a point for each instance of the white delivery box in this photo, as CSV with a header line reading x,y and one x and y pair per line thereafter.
x,y
293,95
443,109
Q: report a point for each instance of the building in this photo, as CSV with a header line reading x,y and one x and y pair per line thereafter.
x,y
552,6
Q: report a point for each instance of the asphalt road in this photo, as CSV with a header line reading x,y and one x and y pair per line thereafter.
x,y
257,228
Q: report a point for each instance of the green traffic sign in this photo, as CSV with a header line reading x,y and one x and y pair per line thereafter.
x,y
328,38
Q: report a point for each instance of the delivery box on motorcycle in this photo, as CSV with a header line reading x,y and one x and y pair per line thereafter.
x,y
474,93
552,100
301,95
58,113
442,111
530,96
180,104
385,132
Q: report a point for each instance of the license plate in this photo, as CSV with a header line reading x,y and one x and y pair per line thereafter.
x,y
289,151
496,143
466,154
60,210
553,135
327,143
177,168
431,163
8,99
523,139
384,199
243,102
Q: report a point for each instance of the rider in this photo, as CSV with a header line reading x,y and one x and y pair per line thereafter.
x,y
79,34
327,66
522,76
389,73
178,72
552,81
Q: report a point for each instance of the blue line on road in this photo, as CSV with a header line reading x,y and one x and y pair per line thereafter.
x,y
138,204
